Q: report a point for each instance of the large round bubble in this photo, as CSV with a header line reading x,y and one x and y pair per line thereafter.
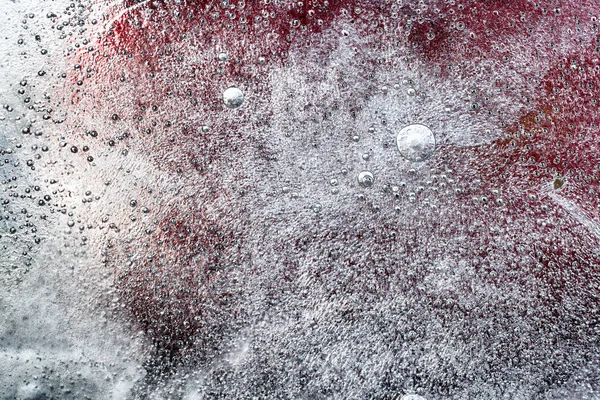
x,y
416,142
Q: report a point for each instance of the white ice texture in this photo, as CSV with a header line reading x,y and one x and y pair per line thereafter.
x,y
357,319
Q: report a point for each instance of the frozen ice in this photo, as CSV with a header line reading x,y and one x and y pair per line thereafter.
x,y
406,209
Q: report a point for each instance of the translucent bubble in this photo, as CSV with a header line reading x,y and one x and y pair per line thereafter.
x,y
416,142
233,97
366,179
222,56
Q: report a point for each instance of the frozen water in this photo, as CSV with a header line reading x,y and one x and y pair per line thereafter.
x,y
156,244
416,142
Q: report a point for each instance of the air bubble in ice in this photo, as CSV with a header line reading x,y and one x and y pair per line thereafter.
x,y
416,142
366,179
222,56
558,183
233,97
412,397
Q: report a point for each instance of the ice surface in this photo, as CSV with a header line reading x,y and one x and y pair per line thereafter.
x,y
346,200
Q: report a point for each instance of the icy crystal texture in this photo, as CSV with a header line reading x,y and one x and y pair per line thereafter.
x,y
336,199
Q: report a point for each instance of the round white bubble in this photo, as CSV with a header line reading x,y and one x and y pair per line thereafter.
x,y
412,397
366,179
233,97
416,142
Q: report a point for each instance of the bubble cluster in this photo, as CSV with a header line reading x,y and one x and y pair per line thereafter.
x,y
322,226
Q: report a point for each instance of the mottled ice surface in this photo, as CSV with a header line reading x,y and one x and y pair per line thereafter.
x,y
273,200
